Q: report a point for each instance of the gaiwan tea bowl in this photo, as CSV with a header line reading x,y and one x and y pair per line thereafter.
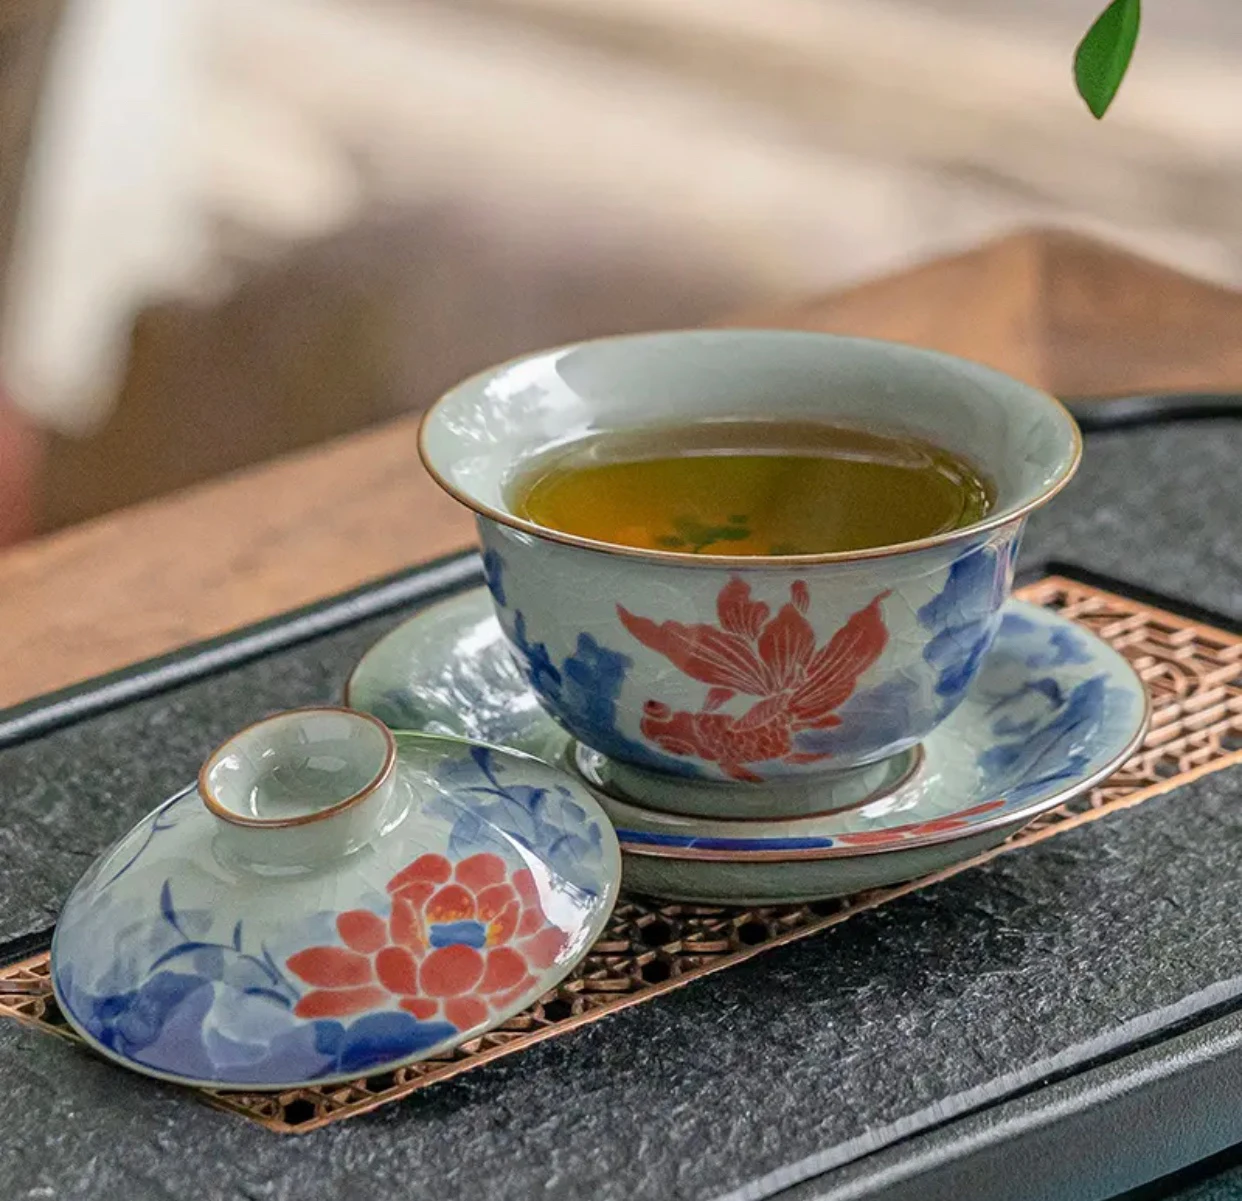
x,y
760,685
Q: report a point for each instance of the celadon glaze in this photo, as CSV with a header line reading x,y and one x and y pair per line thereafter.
x,y
1051,711
739,672
333,900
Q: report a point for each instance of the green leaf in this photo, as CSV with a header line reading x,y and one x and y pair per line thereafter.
x,y
1103,56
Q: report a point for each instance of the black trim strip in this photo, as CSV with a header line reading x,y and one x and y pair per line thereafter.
x,y
1124,412
1076,1138
26,946
141,680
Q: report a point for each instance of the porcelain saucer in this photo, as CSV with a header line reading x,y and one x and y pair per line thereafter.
x,y
1053,711
208,950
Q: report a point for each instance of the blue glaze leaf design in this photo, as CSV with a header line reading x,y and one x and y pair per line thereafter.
x,y
184,948
1040,647
1055,750
964,616
536,662
161,822
376,1039
167,911
883,714
487,811
494,574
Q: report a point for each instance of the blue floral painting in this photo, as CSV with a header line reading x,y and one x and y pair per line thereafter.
x,y
450,926
583,690
488,813
180,1002
1048,734
963,618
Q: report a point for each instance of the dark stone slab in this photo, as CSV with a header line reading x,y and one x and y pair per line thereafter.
x,y
69,794
892,1022
831,1048
1160,506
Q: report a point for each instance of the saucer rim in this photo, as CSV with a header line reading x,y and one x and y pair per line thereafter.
x,y
1014,817
611,881
1034,808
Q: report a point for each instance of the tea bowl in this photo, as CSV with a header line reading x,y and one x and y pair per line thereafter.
x,y
703,676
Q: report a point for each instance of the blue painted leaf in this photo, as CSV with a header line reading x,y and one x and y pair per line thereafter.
x,y
185,948
167,911
269,995
237,936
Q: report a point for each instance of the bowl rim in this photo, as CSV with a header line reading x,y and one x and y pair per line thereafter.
x,y
990,521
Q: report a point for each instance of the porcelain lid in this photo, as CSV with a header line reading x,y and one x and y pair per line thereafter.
x,y
344,915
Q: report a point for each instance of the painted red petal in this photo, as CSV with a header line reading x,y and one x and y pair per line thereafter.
x,y
737,612
480,870
504,925
703,652
676,733
330,967
505,999
494,899
450,971
432,868
339,1002
505,967
397,970
953,821
465,1012
864,837
405,927
833,672
786,646
416,892
452,903
423,1008
543,949
737,772
531,920
524,884
761,713
801,595
717,697
362,930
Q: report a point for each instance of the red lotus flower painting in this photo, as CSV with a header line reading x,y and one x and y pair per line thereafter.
x,y
461,940
775,659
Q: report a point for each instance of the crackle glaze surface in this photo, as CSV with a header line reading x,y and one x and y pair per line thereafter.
x,y
748,675
488,878
1051,709
736,670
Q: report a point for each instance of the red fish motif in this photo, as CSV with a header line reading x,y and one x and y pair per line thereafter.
x,y
799,685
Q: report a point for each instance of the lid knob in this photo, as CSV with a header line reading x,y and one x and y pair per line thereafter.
x,y
300,788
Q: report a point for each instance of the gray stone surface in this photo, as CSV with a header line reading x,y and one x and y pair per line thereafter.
x,y
1225,1187
896,1020
1160,506
843,1043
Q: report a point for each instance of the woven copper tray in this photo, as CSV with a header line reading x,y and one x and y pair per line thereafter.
x,y
1192,670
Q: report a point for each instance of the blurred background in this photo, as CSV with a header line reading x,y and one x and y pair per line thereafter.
x,y
230,229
